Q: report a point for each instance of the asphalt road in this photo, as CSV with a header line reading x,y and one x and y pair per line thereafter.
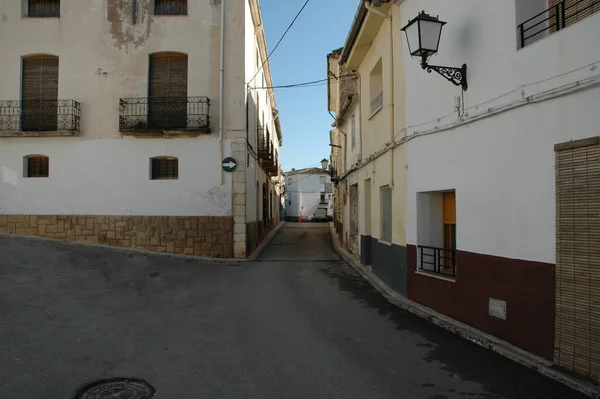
x,y
297,323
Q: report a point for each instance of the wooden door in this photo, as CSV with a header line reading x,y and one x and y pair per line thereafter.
x,y
167,102
40,93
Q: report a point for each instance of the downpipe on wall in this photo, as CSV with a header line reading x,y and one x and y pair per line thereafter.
x,y
222,90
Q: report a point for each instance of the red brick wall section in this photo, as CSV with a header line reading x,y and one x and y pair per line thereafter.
x,y
527,287
210,236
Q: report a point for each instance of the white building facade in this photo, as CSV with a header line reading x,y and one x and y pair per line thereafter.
x,y
305,191
504,179
115,121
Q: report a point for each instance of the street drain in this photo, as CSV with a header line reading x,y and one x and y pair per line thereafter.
x,y
117,388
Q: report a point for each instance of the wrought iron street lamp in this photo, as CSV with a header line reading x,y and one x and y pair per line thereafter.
x,y
324,164
423,35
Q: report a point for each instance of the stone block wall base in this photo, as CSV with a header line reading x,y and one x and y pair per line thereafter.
x,y
210,236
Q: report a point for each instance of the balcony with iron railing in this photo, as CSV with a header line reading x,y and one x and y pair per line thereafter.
x,y
437,260
164,115
39,118
555,18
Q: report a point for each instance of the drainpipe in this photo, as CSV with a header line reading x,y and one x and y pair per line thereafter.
x,y
222,88
392,95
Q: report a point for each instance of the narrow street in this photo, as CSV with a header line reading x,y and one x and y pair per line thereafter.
x,y
297,323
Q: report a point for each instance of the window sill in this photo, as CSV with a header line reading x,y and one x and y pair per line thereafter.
x,y
437,276
40,18
375,112
169,15
58,133
388,243
158,134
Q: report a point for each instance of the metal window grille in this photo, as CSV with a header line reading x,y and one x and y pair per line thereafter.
x,y
37,166
377,102
386,214
165,169
170,7
43,8
438,260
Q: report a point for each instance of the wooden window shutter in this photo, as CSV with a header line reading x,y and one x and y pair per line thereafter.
x,y
37,166
40,93
168,91
43,8
164,168
577,340
575,10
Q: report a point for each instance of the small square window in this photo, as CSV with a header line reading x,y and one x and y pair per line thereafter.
x,y
43,8
170,7
37,166
164,168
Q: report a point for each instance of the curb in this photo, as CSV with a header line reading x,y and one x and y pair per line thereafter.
x,y
251,258
465,331
266,241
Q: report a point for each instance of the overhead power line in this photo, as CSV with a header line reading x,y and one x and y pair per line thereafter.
x,y
280,40
312,83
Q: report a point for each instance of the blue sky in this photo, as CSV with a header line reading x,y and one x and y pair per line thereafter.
x,y
301,57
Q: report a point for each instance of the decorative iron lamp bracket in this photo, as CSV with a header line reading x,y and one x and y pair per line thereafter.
x,y
456,76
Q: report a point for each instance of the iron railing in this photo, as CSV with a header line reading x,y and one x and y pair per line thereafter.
x,y
265,146
40,116
554,19
170,7
438,260
159,114
43,8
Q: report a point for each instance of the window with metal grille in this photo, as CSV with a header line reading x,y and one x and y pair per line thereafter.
x,y
36,166
164,168
376,87
170,7
43,8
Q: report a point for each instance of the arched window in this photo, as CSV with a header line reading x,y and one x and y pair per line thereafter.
x,y
36,166
164,168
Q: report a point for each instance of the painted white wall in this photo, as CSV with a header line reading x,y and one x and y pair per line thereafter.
x,y
304,191
502,166
104,57
112,177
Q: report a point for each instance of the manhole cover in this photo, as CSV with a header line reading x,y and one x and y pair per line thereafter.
x,y
117,388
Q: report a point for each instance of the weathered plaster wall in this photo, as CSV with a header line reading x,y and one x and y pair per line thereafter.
x,y
103,56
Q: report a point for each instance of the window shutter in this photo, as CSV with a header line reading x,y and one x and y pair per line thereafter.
x,y
575,10
40,93
577,346
168,90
